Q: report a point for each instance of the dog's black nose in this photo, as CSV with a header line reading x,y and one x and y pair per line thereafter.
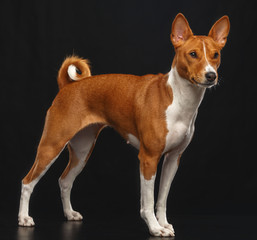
x,y
210,76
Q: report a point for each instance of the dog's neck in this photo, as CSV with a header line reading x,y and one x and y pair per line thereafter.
x,y
186,96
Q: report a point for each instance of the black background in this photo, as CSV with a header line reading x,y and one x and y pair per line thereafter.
x,y
217,174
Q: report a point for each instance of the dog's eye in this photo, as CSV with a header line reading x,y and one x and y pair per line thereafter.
x,y
193,54
216,55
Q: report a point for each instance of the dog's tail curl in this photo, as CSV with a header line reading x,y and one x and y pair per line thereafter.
x,y
73,69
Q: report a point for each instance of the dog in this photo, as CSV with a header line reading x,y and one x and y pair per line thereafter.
x,y
154,113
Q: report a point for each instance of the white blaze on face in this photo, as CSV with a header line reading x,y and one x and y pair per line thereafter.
x,y
208,67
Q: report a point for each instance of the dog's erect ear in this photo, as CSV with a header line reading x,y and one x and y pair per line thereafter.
x,y
180,30
219,31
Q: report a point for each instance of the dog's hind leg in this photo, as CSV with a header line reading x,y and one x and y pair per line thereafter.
x,y
60,127
46,156
80,149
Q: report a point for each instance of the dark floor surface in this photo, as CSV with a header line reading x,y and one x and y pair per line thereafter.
x,y
187,228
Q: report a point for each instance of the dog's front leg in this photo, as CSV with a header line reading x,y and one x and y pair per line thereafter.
x,y
148,167
169,169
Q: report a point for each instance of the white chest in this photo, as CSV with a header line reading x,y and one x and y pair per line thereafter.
x,y
181,114
180,131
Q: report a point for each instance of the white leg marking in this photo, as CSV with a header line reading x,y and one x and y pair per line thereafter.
x,y
23,218
65,187
169,170
147,208
26,190
81,144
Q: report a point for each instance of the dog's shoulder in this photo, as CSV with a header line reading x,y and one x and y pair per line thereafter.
x,y
153,77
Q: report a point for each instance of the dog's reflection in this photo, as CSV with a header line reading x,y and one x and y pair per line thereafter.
x,y
68,230
161,238
25,233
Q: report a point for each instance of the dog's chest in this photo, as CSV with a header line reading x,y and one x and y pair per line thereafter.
x,y
180,127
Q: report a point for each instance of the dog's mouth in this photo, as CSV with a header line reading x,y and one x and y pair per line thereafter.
x,y
210,84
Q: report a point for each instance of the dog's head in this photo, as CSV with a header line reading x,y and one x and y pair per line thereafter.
x,y
198,57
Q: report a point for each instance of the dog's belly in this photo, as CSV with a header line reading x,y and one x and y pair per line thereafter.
x,y
133,141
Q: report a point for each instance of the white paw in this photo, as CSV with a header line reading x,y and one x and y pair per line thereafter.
x,y
170,227
26,221
162,220
162,232
73,216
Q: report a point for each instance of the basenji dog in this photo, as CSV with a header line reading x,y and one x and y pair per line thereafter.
x,y
154,113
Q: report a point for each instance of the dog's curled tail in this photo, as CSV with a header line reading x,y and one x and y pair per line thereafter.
x,y
73,69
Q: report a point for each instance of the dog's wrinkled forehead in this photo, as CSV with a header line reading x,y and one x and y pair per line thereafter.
x,y
200,43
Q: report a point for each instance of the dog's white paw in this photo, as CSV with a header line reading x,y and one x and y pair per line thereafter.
x,y
162,232
162,220
26,221
73,216
169,227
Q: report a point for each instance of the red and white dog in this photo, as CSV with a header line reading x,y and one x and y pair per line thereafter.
x,y
155,113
